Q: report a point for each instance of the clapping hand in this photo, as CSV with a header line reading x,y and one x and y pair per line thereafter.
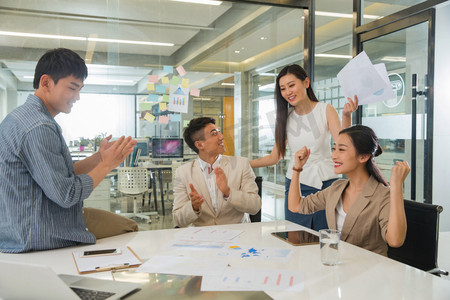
x,y
196,199
221,180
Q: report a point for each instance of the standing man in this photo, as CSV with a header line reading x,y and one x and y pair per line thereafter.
x,y
214,188
41,189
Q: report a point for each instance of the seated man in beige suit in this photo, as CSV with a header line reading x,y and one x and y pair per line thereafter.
x,y
213,189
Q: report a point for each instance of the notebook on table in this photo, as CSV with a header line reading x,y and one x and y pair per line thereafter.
x,y
30,281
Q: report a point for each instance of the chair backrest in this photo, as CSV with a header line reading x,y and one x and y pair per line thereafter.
x,y
257,216
421,244
132,181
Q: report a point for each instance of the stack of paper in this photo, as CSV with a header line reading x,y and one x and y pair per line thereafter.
x,y
367,81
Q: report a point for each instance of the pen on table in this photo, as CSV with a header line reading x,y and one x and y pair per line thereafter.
x,y
124,266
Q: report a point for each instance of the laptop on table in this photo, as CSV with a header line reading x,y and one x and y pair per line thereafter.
x,y
30,281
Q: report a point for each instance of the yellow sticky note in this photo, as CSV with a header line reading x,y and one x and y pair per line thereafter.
x,y
150,87
185,83
149,117
165,80
163,106
165,98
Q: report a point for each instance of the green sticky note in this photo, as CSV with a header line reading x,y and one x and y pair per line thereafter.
x,y
145,106
175,80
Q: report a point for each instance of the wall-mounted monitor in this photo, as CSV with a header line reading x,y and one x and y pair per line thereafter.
x,y
167,148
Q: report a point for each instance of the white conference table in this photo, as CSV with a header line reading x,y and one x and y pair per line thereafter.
x,y
360,274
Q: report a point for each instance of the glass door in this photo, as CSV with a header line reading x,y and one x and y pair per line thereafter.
x,y
401,123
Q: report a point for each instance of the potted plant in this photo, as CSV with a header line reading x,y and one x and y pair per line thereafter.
x,y
83,143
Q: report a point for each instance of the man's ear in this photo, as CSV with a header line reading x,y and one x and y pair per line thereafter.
x,y
198,144
45,81
363,158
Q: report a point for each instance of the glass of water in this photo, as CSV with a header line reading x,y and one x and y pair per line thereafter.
x,y
329,246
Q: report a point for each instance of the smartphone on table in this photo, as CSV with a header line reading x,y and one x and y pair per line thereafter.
x,y
101,252
297,237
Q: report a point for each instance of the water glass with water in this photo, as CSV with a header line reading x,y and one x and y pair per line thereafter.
x,y
329,246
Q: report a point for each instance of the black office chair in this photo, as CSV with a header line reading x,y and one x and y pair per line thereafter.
x,y
257,217
420,249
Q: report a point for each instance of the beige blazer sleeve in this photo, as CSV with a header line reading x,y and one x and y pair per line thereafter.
x,y
244,192
183,213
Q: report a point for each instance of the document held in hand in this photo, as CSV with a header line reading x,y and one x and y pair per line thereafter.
x,y
367,81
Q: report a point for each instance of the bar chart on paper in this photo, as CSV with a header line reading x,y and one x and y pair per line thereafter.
x,y
255,280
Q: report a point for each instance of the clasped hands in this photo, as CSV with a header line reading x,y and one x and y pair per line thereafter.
x,y
222,183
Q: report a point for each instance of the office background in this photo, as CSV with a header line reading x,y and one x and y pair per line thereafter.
x,y
231,52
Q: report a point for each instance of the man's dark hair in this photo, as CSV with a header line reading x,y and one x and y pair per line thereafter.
x,y
60,63
194,131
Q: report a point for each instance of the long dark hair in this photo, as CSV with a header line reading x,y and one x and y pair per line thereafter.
x,y
366,141
283,105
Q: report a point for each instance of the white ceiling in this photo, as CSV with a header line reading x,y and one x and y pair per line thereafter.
x,y
206,38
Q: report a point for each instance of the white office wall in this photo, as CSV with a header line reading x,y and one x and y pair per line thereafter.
x,y
441,145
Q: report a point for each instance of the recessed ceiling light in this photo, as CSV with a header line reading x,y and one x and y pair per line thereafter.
x,y
341,15
394,58
227,83
84,39
333,55
237,51
207,2
263,38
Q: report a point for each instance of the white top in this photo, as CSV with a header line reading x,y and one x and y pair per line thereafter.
x,y
340,215
311,130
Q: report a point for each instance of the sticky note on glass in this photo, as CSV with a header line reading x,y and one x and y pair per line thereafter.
x,y
175,80
181,71
185,83
150,86
185,123
160,89
175,118
163,106
145,106
153,98
165,80
165,98
195,92
152,78
163,119
168,69
149,117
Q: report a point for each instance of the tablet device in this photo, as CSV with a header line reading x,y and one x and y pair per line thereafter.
x,y
298,237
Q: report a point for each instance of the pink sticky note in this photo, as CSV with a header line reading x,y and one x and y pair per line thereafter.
x,y
195,92
163,119
153,78
181,71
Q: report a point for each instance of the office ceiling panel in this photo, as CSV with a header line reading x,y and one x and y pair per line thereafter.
x,y
205,38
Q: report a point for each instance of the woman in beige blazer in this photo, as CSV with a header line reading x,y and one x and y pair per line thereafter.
x,y
368,212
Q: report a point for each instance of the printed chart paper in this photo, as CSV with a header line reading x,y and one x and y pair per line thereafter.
x,y
255,280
